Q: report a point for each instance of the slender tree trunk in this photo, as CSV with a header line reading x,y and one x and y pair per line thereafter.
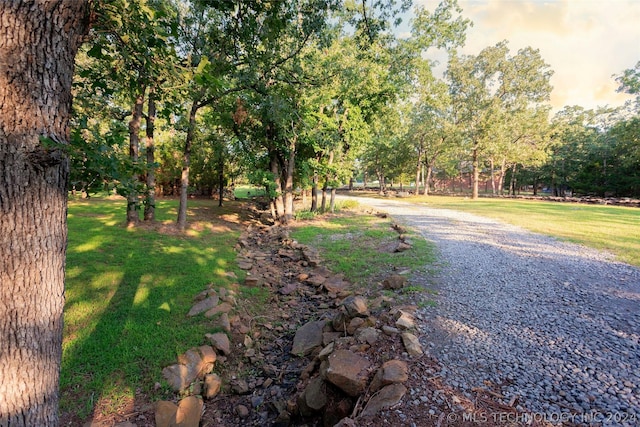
x,y
512,185
493,181
332,202
364,180
133,205
427,180
278,200
186,163
503,173
288,183
323,204
220,178
419,167
314,193
476,174
150,202
38,43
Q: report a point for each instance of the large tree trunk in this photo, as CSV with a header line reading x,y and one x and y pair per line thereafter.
x,y
38,43
133,206
186,163
278,201
150,200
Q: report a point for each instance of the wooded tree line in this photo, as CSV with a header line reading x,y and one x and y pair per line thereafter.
x,y
186,97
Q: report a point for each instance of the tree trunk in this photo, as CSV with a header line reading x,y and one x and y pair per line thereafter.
x,y
133,206
493,181
38,43
427,179
512,185
314,193
476,174
277,200
220,178
419,168
503,172
150,201
288,182
332,202
186,163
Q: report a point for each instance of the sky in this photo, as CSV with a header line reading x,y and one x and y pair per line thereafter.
x,y
584,42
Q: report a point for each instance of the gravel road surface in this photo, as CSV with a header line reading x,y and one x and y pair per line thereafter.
x,y
552,324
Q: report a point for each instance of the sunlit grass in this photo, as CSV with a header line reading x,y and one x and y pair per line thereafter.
x,y
358,246
611,228
127,294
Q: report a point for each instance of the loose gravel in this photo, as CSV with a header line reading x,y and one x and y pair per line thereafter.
x,y
555,326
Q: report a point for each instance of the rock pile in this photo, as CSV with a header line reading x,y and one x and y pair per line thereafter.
x,y
347,360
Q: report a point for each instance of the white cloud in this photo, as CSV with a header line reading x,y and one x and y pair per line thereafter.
x,y
583,41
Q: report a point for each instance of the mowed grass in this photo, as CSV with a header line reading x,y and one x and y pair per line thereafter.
x,y
357,245
611,228
127,295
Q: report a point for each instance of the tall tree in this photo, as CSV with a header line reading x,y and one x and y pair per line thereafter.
x,y
38,43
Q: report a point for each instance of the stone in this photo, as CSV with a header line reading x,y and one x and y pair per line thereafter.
x,y
390,330
208,354
220,341
356,306
386,398
239,386
242,411
196,366
316,280
340,322
189,412
326,351
369,335
412,344
166,413
224,323
402,246
307,338
245,265
346,422
313,398
348,371
302,277
225,307
329,337
204,305
212,385
395,281
288,289
252,281
177,376
354,324
337,411
335,284
391,372
405,321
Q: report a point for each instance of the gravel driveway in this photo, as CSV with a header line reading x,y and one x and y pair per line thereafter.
x,y
556,325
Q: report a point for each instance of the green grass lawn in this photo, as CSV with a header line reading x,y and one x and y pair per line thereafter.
x,y
612,228
127,295
357,246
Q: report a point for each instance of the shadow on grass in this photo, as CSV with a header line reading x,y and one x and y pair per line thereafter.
x,y
127,295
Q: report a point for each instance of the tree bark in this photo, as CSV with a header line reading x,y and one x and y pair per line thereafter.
x,y
186,163
133,205
150,201
38,43
476,174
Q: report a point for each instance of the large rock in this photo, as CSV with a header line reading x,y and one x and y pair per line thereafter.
x,y
405,321
348,371
195,363
204,305
225,307
212,385
186,414
386,398
189,412
391,372
395,281
313,398
220,341
307,338
412,344
356,306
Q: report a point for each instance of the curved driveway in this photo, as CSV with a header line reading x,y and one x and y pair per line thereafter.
x,y
555,326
